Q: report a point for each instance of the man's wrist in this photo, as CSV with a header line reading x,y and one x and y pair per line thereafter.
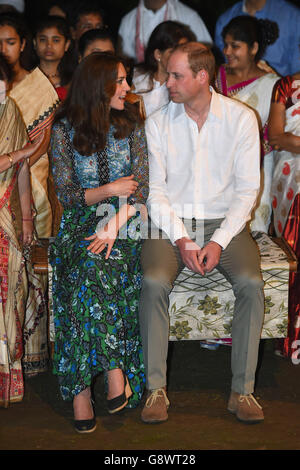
x,y
180,241
216,243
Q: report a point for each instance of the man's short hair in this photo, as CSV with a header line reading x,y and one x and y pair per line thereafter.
x,y
199,57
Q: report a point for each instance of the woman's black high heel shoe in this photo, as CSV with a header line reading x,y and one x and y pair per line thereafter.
x,y
86,425
118,403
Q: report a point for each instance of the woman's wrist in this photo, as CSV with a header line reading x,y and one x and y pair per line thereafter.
x,y
17,155
10,158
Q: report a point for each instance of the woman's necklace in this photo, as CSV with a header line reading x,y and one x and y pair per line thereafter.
x,y
51,75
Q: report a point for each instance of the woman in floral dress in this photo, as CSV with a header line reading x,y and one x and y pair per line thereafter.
x,y
100,170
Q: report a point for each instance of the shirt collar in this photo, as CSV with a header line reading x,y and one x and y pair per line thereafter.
x,y
215,110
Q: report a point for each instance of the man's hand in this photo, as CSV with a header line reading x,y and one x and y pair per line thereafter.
x,y
209,256
189,252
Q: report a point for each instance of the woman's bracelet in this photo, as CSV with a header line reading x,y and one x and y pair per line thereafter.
x,y
10,159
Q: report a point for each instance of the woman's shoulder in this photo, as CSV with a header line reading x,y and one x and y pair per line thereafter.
x,y
141,80
62,125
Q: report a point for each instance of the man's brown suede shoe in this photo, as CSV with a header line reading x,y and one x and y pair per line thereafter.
x,y
156,406
246,408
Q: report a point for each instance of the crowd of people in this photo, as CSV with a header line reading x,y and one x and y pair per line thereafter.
x,y
90,123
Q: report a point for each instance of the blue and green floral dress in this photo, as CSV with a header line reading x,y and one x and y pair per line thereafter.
x,y
95,301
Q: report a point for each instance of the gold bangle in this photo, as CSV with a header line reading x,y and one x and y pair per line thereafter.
x,y
10,159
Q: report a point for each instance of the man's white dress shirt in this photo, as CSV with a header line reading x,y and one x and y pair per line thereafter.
x,y
211,174
149,20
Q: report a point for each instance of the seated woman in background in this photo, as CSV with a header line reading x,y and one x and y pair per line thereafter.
x,y
96,40
37,100
245,40
284,135
99,160
149,78
55,52
16,231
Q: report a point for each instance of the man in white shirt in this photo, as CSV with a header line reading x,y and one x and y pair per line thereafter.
x,y
204,157
137,26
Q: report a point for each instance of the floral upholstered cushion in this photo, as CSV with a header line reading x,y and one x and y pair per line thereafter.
x,y
202,307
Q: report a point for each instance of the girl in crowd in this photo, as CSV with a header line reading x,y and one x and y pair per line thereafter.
x,y
245,40
37,100
284,135
15,220
99,159
149,79
96,40
57,58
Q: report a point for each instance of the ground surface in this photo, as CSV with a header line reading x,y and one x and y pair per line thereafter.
x,y
199,383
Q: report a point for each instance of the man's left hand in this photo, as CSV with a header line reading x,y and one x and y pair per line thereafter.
x,y
209,256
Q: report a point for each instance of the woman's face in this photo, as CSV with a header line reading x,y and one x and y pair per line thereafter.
x,y
99,45
11,45
122,87
3,89
50,44
238,54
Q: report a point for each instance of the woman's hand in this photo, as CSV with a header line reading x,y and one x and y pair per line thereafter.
x,y
27,231
29,149
104,238
124,186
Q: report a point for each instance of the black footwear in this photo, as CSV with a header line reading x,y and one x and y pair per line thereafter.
x,y
86,425
118,403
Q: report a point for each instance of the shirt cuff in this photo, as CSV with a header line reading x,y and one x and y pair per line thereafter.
x,y
222,237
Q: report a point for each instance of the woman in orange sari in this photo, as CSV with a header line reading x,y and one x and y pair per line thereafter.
x,y
15,220
37,100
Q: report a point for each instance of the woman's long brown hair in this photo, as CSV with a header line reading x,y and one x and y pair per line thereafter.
x,y
87,106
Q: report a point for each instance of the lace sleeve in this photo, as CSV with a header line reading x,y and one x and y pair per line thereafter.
x,y
66,184
139,165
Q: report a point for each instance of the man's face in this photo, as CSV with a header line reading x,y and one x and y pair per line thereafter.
x,y
86,22
182,84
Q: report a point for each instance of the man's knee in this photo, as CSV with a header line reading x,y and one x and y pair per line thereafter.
x,y
248,285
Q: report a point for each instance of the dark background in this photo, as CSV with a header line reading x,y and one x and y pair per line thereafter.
x,y
209,10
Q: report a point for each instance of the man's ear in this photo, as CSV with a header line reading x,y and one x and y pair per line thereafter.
x,y
203,76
